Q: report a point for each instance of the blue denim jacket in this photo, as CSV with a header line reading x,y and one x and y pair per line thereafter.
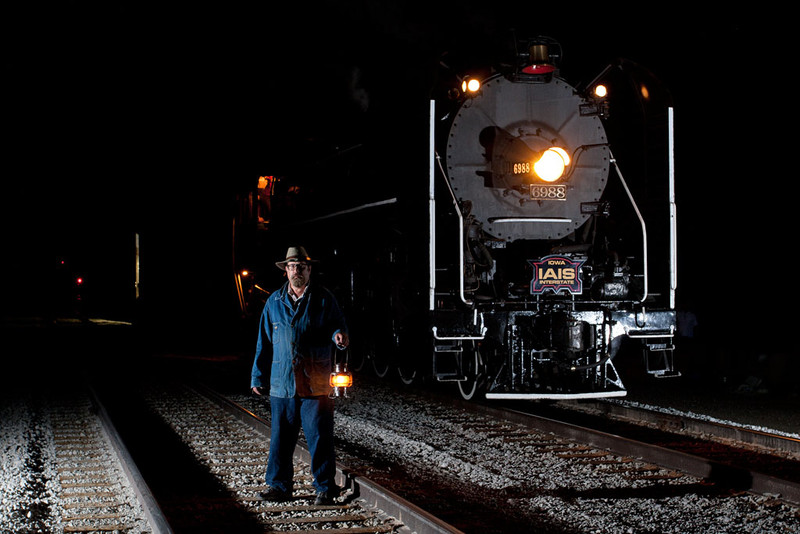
x,y
301,341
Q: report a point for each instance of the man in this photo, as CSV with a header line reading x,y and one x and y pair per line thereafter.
x,y
301,322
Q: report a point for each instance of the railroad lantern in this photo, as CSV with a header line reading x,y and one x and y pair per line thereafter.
x,y
341,379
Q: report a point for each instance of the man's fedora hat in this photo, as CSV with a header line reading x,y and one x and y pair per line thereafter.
x,y
297,254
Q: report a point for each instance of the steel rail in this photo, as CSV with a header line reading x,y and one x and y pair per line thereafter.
x,y
725,430
414,518
738,478
155,516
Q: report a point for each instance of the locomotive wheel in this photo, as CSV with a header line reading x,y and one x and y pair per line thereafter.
x,y
379,357
407,370
405,358
379,365
473,369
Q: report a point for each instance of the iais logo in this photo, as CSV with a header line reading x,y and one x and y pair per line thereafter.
x,y
556,273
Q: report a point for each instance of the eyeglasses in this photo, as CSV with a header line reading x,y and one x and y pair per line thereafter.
x,y
297,267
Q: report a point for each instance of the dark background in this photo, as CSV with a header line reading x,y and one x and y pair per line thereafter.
x,y
127,117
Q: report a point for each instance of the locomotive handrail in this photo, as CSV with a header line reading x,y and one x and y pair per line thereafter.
x,y
613,160
456,338
432,206
483,329
460,233
673,229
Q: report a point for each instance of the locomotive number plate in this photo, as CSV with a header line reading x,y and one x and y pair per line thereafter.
x,y
548,192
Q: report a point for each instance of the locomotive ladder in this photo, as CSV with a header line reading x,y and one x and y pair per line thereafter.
x,y
444,352
658,353
449,349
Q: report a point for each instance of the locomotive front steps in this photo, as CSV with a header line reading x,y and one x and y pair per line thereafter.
x,y
446,359
659,360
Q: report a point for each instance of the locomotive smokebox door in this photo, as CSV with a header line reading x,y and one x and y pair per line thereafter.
x,y
494,142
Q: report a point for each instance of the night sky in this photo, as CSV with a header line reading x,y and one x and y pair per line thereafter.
x,y
126,117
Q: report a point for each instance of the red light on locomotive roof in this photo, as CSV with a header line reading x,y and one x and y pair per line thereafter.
x,y
79,281
538,69
540,60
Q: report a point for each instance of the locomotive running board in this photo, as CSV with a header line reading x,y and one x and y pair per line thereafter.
x,y
556,396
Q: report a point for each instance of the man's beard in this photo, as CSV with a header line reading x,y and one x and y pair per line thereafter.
x,y
298,281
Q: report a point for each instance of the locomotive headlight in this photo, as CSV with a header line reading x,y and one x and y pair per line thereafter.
x,y
470,86
600,91
552,164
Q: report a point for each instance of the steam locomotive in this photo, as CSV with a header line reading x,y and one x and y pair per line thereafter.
x,y
507,253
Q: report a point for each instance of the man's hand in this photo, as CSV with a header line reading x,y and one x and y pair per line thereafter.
x,y
341,339
257,391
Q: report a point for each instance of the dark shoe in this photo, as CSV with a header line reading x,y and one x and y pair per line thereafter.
x,y
275,495
325,498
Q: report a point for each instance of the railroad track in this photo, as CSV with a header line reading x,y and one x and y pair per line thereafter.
x,y
683,449
734,455
203,458
99,488
235,455
229,446
760,439
480,469
487,469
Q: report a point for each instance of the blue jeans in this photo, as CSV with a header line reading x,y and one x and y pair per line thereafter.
x,y
315,414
